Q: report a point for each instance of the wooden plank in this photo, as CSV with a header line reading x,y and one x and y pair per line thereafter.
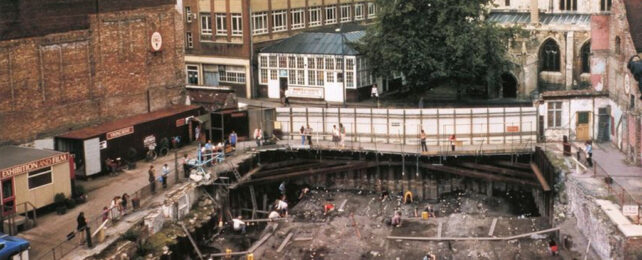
x,y
245,177
259,243
540,177
492,227
264,220
474,238
478,174
439,229
517,165
340,168
285,242
500,170
191,240
297,239
343,204
231,254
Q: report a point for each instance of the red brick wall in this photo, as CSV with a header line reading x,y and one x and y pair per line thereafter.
x,y
54,82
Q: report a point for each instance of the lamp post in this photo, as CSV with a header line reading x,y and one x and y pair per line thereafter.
x,y
343,65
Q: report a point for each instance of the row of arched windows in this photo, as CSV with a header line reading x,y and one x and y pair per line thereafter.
x,y
550,56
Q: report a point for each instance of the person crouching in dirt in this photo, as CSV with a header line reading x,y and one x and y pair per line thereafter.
x,y
238,224
273,216
282,207
396,219
384,195
553,247
327,208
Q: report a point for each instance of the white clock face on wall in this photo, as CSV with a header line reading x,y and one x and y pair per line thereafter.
x,y
157,41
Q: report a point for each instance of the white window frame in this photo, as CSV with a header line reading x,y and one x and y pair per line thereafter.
x,y
188,14
44,172
259,23
263,76
229,72
298,18
279,16
552,110
237,25
221,24
314,12
358,12
372,10
189,40
331,10
346,9
192,68
206,24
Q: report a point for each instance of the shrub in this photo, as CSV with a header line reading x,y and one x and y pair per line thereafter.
x,y
130,235
59,199
70,203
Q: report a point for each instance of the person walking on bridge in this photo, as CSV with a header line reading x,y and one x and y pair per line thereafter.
x,y
424,148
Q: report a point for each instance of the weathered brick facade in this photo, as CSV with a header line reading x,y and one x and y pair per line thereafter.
x,y
95,67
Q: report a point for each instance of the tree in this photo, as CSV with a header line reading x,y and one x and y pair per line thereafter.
x,y
433,41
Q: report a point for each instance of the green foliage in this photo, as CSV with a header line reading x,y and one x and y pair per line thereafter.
x,y
130,235
433,41
70,203
59,199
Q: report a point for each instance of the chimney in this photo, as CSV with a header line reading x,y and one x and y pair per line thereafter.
x,y
534,12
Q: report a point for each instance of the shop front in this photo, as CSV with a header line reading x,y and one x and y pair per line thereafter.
x,y
32,177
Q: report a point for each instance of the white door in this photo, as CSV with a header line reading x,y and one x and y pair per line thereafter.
x,y
92,156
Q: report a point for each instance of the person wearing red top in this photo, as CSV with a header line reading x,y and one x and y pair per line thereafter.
x,y
327,208
452,140
553,247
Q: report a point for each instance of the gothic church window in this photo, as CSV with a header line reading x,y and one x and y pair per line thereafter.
x,y
586,55
550,56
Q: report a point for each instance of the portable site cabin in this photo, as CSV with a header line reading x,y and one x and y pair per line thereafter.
x,y
127,138
13,248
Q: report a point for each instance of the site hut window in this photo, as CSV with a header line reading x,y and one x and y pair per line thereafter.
x,y
300,77
315,16
320,77
346,16
237,25
605,5
40,178
299,63
372,12
189,40
329,76
192,75
221,24
554,114
358,12
330,15
291,62
310,63
264,76
329,63
298,18
568,5
283,61
291,77
320,63
206,24
273,75
279,21
232,74
259,23
312,77
349,79
273,61
339,64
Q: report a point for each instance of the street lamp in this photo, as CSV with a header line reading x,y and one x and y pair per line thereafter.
x,y
343,65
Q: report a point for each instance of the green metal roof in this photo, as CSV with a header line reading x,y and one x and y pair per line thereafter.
x,y
317,43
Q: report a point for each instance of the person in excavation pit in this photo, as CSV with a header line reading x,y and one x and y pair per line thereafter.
x,y
273,216
384,195
238,224
327,208
396,219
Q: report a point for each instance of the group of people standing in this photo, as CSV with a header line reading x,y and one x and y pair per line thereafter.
x,y
339,135
152,177
306,133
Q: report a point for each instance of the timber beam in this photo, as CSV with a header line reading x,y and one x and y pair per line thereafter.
x,y
339,168
478,174
516,165
245,177
500,170
310,165
540,177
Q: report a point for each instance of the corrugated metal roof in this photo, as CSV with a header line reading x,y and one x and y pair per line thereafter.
x,y
317,43
547,19
15,155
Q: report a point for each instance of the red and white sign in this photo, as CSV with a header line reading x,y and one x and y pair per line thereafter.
x,y
157,41
630,210
180,122
304,92
512,129
34,165
120,132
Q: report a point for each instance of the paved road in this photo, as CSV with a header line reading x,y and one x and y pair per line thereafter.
x,y
613,162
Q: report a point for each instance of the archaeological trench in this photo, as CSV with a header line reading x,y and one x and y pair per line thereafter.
x,y
494,206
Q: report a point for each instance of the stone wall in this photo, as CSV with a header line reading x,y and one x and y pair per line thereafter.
x,y
66,77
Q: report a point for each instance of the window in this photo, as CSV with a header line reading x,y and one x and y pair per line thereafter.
x,y
291,62
273,61
264,76
507,3
320,78
263,62
221,24
40,177
298,18
189,39
605,5
210,75
320,63
315,16
568,5
237,25
292,77
339,64
299,63
345,13
283,62
329,64
310,63
188,14
300,77
279,22
550,56
206,24
259,23
331,15
349,79
329,77
618,43
192,75
586,55
273,75
554,114
312,77
358,12
371,10
349,64
231,74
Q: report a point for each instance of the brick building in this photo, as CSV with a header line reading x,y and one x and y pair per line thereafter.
x,y
222,37
66,64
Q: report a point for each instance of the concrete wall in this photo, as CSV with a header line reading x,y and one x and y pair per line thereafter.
x,y
470,125
74,77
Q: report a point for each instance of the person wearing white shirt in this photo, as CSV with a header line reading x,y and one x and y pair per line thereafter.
x,y
164,176
238,224
282,207
273,216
